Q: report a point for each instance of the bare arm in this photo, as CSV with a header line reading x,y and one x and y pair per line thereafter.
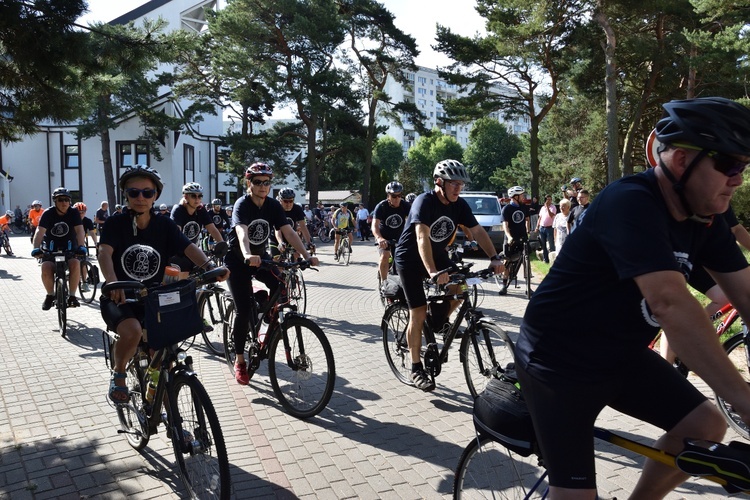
x,y
81,235
292,237
302,225
742,236
39,236
214,232
425,252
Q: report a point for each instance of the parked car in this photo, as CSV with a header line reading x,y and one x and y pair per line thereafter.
x,y
486,209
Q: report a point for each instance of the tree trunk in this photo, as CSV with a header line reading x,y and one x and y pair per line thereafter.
x,y
369,141
613,140
534,155
313,180
692,73
109,176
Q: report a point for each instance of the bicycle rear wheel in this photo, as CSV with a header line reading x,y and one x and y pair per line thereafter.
x,y
132,416
61,298
297,291
485,352
91,280
304,376
737,351
489,470
6,245
213,311
323,235
394,323
197,440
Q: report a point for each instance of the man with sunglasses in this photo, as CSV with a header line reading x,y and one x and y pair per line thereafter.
x,y
388,223
627,264
60,228
254,218
136,246
191,217
295,216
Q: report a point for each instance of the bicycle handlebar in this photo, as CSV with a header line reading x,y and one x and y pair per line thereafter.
x,y
301,264
201,279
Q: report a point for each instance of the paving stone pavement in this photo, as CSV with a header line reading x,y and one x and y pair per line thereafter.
x,y
378,438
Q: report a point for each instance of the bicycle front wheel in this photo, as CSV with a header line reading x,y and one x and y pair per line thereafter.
x,y
297,291
323,235
484,352
87,286
6,246
527,273
132,416
347,252
213,312
737,351
61,299
197,440
301,367
394,324
228,337
489,470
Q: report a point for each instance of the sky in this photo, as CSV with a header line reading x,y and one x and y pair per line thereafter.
x,y
415,17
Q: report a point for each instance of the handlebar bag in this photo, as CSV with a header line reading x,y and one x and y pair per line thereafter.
x,y
501,413
172,314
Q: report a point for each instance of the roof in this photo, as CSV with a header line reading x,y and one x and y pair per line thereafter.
x,y
337,196
139,11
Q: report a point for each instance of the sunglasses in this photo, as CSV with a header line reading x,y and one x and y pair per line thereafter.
x,y
287,201
195,195
63,200
456,183
134,193
256,182
395,196
727,165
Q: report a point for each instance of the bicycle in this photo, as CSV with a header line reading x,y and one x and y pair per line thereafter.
x,y
300,358
6,243
177,399
391,293
344,252
89,280
508,465
485,347
318,228
296,288
514,265
61,286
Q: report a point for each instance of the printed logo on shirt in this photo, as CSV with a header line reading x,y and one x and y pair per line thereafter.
x,y
683,260
140,262
518,216
217,220
648,315
442,229
258,231
394,221
192,230
292,223
60,229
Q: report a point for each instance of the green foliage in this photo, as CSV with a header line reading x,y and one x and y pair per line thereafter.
x,y
490,147
387,155
518,173
741,203
431,149
408,176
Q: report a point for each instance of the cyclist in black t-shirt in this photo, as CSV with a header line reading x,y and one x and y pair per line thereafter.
x,y
627,264
388,223
421,250
191,217
219,216
516,227
295,216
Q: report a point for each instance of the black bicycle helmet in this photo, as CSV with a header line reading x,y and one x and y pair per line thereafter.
x,y
451,170
712,123
216,201
258,168
142,171
287,194
61,191
394,187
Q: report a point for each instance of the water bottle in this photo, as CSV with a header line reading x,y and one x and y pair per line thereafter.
x,y
152,376
263,331
171,274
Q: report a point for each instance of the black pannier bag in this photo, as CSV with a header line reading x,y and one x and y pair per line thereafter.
x,y
500,412
391,288
172,314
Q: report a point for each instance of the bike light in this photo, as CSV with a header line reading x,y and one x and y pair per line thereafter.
x,y
496,228
59,258
181,356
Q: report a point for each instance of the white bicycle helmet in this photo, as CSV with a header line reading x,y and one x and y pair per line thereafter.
x,y
514,191
451,170
192,187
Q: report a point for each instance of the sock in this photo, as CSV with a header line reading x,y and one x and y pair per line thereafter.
x,y
415,367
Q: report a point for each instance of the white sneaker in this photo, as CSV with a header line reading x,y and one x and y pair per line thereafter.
x,y
85,287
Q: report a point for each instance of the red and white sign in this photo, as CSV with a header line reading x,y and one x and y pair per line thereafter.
x,y
652,148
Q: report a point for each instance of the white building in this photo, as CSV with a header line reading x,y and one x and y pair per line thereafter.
x,y
54,157
424,89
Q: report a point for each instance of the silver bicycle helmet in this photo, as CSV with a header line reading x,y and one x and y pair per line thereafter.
x,y
192,187
514,191
287,194
450,170
142,171
394,187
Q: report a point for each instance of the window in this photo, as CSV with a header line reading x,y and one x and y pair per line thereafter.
x,y
422,79
432,92
72,158
189,158
132,153
421,102
410,77
421,91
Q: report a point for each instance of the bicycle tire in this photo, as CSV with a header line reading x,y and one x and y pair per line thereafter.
x,y
62,304
527,272
394,324
347,252
737,353
6,246
132,417
484,353
323,235
305,388
15,229
487,469
204,466
212,310
297,291
228,338
87,296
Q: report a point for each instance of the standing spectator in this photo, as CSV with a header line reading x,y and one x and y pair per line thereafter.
x,y
560,224
547,213
100,217
577,212
18,215
516,227
362,215
308,213
571,193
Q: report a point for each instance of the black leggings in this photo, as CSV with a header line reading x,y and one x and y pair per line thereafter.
x,y
241,287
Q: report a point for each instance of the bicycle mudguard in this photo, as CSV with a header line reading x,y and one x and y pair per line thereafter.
x,y
728,462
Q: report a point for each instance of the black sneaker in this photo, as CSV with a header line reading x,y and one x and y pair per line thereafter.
x,y
49,301
421,381
73,301
503,290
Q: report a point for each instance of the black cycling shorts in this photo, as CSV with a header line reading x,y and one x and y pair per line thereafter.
x,y
113,315
564,411
412,281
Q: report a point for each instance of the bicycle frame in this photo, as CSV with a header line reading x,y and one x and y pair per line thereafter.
x,y
723,327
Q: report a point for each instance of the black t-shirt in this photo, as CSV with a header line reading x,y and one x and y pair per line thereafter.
x,y
627,232
61,234
515,216
442,220
102,215
576,216
391,219
143,256
88,225
220,219
293,216
191,224
260,222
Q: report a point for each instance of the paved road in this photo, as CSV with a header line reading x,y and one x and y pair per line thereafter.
x,y
377,439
